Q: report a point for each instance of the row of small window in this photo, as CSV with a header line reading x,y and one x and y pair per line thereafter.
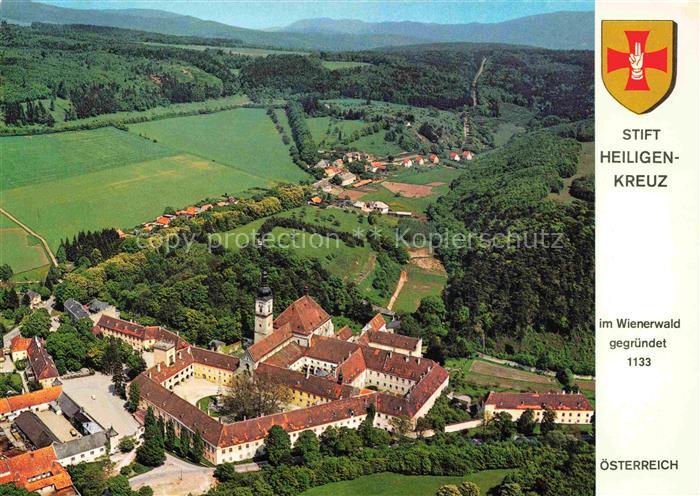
x,y
82,455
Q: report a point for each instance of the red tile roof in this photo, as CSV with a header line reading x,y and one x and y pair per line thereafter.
x,y
330,349
344,334
313,384
214,359
304,316
18,343
40,361
27,400
393,340
377,322
352,367
272,342
41,464
137,331
296,420
163,221
287,355
537,401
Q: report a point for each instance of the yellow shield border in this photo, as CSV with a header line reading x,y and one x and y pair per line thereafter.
x,y
674,59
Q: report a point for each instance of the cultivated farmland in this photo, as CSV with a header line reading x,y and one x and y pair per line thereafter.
x,y
115,197
22,251
45,158
244,139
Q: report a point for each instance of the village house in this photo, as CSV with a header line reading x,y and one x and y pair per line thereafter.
x,y
33,298
347,178
38,472
315,200
75,310
376,167
377,206
407,162
332,171
40,366
19,347
34,401
467,155
339,163
322,164
419,160
454,156
572,408
434,158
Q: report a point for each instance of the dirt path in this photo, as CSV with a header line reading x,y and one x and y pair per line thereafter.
x,y
399,286
30,231
367,269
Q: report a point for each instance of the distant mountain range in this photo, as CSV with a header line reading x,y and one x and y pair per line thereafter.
x,y
561,30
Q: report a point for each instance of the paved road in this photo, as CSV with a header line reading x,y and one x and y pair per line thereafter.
x,y
175,478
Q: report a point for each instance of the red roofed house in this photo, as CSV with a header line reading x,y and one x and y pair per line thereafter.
x,y
376,324
434,158
419,159
163,220
454,156
407,162
467,155
569,408
37,471
35,401
40,367
19,347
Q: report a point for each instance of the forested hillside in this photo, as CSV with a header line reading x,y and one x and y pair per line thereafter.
x,y
85,71
525,278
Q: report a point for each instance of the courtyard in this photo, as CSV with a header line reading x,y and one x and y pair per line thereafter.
x,y
194,389
94,393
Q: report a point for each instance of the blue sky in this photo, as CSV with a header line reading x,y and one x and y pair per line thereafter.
x,y
265,14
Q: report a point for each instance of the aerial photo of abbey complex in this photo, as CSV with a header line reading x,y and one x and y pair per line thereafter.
x,y
329,248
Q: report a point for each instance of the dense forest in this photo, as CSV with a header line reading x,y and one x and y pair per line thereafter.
x,y
526,273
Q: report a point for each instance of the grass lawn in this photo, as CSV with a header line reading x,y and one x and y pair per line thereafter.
x,y
20,250
322,128
244,139
115,197
50,157
426,175
203,404
388,484
403,203
376,145
420,284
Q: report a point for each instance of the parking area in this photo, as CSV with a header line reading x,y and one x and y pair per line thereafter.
x,y
94,393
195,389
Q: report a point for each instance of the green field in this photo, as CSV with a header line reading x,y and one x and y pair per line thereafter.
x,y
324,128
46,158
586,167
20,250
115,197
420,284
376,145
245,139
388,484
425,175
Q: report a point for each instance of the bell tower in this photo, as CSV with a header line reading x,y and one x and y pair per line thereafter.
x,y
263,310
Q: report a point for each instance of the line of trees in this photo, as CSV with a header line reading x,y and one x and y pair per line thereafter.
x,y
301,133
92,245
